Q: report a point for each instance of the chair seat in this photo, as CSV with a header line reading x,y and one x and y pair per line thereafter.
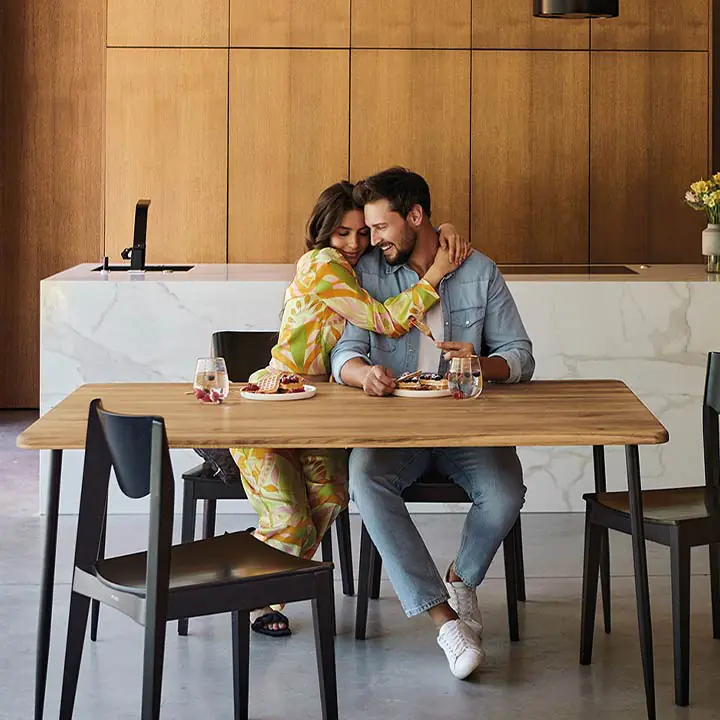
x,y
667,506
214,561
204,471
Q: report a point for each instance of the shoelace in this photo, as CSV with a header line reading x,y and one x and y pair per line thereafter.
x,y
467,602
457,639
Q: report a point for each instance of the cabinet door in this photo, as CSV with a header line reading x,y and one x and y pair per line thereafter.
x,y
288,141
411,24
412,108
499,24
166,140
655,25
530,156
289,23
649,125
160,23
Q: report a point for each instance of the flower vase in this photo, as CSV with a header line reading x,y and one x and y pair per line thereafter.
x,y
711,247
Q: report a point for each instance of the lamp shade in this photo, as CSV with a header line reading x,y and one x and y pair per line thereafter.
x,y
574,9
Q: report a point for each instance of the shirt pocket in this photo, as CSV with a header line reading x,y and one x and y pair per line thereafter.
x,y
383,344
464,320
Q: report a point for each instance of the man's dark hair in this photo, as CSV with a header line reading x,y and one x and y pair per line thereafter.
x,y
402,188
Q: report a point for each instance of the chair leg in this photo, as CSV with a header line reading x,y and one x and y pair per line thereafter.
x,y
209,516
715,588
326,546
77,626
511,583
375,572
189,517
241,663
519,560
95,612
154,656
363,593
325,646
342,523
680,577
591,568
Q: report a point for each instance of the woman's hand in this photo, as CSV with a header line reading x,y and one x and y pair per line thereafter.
x,y
458,247
456,349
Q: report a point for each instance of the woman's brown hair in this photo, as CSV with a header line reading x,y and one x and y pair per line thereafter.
x,y
328,213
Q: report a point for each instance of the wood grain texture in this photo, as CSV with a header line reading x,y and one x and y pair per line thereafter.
x,y
289,23
288,141
51,134
649,142
161,23
167,141
530,115
412,108
575,412
411,24
499,24
655,25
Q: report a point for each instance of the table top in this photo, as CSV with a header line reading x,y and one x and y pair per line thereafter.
x,y
551,413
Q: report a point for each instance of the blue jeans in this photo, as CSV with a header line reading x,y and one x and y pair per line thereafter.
x,y
492,478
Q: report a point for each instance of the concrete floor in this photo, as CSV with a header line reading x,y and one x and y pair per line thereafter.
x,y
397,672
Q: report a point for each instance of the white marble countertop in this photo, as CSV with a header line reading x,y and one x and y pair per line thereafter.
x,y
283,273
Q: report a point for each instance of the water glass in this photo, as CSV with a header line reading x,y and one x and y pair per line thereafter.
x,y
211,382
465,379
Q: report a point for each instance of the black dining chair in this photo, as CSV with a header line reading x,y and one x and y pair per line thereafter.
x,y
435,487
218,478
679,518
231,573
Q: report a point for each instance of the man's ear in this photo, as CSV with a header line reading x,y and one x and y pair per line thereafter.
x,y
415,216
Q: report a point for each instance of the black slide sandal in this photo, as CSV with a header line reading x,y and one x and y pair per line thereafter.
x,y
260,624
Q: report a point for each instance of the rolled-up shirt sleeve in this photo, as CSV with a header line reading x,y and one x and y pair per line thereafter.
x,y
504,334
354,343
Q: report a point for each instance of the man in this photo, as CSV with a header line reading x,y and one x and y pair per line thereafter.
x,y
476,315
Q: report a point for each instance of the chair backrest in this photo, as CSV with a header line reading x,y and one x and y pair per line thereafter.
x,y
137,449
244,352
711,434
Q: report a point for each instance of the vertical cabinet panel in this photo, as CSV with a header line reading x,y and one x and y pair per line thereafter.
x,y
498,24
288,141
289,23
649,142
655,25
411,23
161,23
412,108
167,141
530,156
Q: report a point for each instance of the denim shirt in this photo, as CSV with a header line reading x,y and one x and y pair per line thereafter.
x,y
477,308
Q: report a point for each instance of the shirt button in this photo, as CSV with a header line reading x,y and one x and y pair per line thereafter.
x,y
467,322
411,350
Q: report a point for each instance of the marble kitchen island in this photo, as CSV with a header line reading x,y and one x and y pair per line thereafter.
x,y
652,329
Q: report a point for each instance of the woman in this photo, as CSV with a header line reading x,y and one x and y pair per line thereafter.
x,y
297,494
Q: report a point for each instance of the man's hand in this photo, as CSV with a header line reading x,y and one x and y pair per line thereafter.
x,y
456,349
378,381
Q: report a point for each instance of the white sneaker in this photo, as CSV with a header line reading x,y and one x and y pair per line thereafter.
x,y
461,647
463,601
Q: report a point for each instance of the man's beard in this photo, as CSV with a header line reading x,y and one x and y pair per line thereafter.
x,y
404,255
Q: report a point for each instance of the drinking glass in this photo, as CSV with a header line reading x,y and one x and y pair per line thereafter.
x,y
211,380
465,377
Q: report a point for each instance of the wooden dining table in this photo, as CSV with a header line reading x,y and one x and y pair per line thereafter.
x,y
594,413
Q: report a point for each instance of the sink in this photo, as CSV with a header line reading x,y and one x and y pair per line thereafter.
x,y
148,268
566,270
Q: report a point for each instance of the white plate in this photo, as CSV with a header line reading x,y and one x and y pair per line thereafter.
x,y
421,393
307,393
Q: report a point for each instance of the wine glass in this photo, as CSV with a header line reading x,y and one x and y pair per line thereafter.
x,y
211,380
465,379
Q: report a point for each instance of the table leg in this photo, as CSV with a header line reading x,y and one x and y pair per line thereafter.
x,y
642,590
601,486
48,580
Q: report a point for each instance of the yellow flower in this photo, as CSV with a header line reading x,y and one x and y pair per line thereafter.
x,y
700,187
710,201
716,178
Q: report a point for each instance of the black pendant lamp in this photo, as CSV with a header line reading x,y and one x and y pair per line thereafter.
x,y
575,9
